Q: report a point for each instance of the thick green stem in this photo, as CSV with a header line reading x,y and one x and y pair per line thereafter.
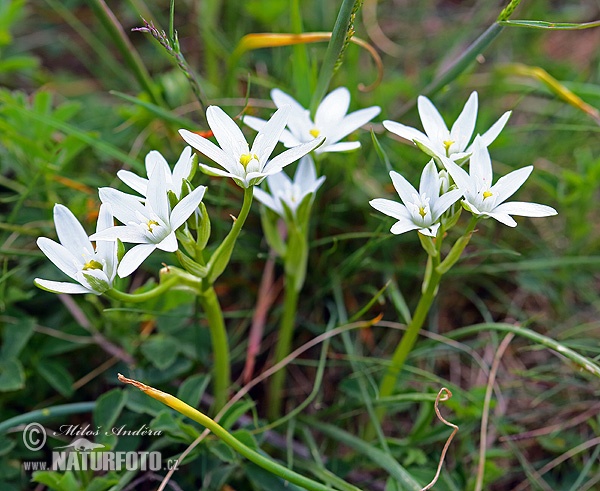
x,y
230,440
283,346
220,346
212,308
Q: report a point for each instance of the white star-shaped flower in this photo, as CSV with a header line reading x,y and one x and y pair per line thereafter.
x,y
181,171
483,198
246,166
331,121
438,141
288,191
421,210
93,269
151,224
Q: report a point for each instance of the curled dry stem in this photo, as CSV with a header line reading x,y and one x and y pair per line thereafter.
x,y
443,395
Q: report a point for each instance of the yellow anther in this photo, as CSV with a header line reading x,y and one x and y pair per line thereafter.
x,y
92,264
246,158
447,145
487,194
151,224
422,211
315,132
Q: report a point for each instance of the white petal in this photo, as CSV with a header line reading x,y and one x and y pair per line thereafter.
x,y
154,158
70,232
404,188
269,136
508,185
267,200
490,135
228,134
480,163
254,122
390,208
278,181
350,123
338,147
403,226
288,139
430,231
292,155
430,181
444,202
60,256
186,207
62,287
459,175
503,218
183,167
332,109
432,121
169,243
133,258
524,209
125,233
280,99
306,174
135,182
463,127
158,199
213,171
105,250
404,131
208,148
123,206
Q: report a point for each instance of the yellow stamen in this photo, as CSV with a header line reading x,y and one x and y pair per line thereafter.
x,y
151,224
422,212
246,158
447,145
92,264
315,132
487,194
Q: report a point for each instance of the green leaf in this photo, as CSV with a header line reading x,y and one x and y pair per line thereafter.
x,y
223,452
57,376
108,408
454,254
234,412
268,220
381,152
15,337
192,388
379,457
140,403
48,478
540,24
160,350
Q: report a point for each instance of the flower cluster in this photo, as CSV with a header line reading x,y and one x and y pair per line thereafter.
x,y
424,210
167,200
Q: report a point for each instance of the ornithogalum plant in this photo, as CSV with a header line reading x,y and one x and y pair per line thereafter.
x,y
431,213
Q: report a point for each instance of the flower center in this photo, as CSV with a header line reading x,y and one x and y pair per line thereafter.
x,y
151,224
246,158
315,132
487,194
447,145
422,211
92,264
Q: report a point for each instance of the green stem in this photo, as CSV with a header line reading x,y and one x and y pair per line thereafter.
x,y
47,413
230,440
283,346
220,258
334,49
409,339
220,346
142,297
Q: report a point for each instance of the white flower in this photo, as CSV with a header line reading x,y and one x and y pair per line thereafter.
x,y
483,198
181,171
246,166
284,190
151,224
438,141
331,121
421,210
75,256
